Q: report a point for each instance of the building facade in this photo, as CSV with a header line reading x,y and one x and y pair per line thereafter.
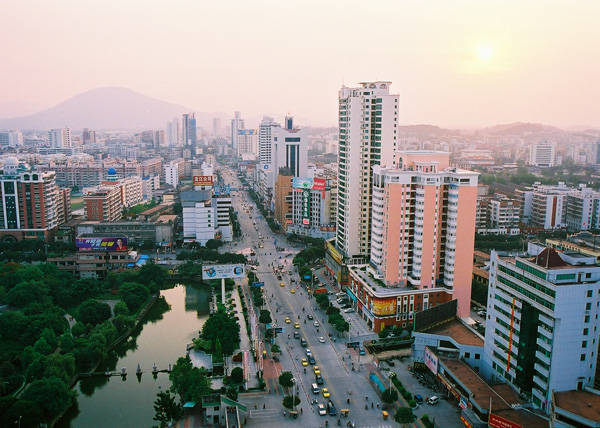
x,y
368,122
60,138
542,322
423,225
103,204
542,154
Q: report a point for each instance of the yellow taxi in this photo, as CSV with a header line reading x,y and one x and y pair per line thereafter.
x,y
297,325
282,284
326,393
293,290
304,362
317,370
288,320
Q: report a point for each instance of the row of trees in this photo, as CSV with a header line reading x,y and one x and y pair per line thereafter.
x,y
334,317
306,257
37,345
32,250
208,255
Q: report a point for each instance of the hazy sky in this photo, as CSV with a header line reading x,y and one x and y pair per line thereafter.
x,y
454,63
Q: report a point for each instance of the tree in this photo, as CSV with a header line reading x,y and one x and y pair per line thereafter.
x,y
121,308
275,349
404,415
94,312
265,316
213,244
287,401
220,325
389,396
189,382
26,293
151,272
285,379
51,395
232,392
134,295
237,375
29,413
166,409
78,329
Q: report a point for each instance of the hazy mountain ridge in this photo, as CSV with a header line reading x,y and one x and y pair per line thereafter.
x,y
101,108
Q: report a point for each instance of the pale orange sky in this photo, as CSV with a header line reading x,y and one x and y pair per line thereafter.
x,y
454,63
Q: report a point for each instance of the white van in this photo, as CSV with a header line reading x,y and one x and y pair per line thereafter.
x,y
315,388
433,400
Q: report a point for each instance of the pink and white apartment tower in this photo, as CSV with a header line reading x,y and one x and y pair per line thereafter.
x,y
423,225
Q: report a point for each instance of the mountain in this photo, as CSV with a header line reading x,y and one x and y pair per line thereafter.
x,y
102,108
424,130
519,128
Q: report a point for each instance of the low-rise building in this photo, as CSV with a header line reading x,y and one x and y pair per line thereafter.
x,y
103,204
205,216
136,232
576,408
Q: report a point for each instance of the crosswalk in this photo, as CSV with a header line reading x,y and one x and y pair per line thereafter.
x,y
264,413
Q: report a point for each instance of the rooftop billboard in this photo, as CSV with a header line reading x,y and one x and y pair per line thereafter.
x,y
101,244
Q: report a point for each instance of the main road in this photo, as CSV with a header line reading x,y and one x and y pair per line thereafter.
x,y
332,357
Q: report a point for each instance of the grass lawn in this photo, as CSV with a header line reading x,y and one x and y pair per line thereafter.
x,y
76,203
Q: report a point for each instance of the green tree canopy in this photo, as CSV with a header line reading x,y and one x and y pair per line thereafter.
x,y
220,325
285,379
94,312
404,415
166,409
237,375
134,295
389,395
51,395
287,401
265,316
189,382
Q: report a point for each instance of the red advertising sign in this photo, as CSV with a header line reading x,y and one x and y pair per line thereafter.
x,y
319,184
496,421
203,180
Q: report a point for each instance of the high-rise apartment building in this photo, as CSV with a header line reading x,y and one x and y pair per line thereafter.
x,y
29,201
188,127
265,140
542,154
237,123
88,137
423,225
247,143
542,327
59,138
368,121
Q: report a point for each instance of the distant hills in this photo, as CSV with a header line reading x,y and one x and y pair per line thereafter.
x,y
102,108
520,128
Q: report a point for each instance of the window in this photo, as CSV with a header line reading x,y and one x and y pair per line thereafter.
x,y
584,344
586,319
582,357
467,355
586,331
588,306
477,356
589,293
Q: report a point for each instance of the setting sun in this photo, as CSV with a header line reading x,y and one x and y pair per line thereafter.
x,y
485,53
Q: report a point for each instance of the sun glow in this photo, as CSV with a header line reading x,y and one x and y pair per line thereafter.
x,y
485,53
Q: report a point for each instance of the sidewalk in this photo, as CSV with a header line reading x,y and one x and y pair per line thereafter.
x,y
245,345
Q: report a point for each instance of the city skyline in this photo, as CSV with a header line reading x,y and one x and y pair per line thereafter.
x,y
458,64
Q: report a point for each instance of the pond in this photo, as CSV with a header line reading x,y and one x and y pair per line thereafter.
x,y
172,323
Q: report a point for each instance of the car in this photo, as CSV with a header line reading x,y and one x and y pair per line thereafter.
x,y
316,324
481,313
292,290
310,317
303,342
361,351
348,310
325,392
308,353
332,409
282,284
418,398
261,246
304,362
317,370
322,410
322,339
288,320
432,401
296,325
296,335
311,359
319,379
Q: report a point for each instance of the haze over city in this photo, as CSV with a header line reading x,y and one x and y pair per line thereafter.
x,y
454,63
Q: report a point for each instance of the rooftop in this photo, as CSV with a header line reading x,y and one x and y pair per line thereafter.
x,y
522,418
457,331
166,218
195,196
581,403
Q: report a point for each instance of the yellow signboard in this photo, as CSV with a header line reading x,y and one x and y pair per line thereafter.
x,y
334,253
384,306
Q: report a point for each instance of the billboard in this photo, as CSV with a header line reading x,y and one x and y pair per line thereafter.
x,y
223,271
101,244
302,183
319,184
431,360
384,306
306,207
203,180
496,421
258,284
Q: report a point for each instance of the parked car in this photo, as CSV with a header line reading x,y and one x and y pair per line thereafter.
x,y
332,409
419,398
348,310
433,400
361,350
